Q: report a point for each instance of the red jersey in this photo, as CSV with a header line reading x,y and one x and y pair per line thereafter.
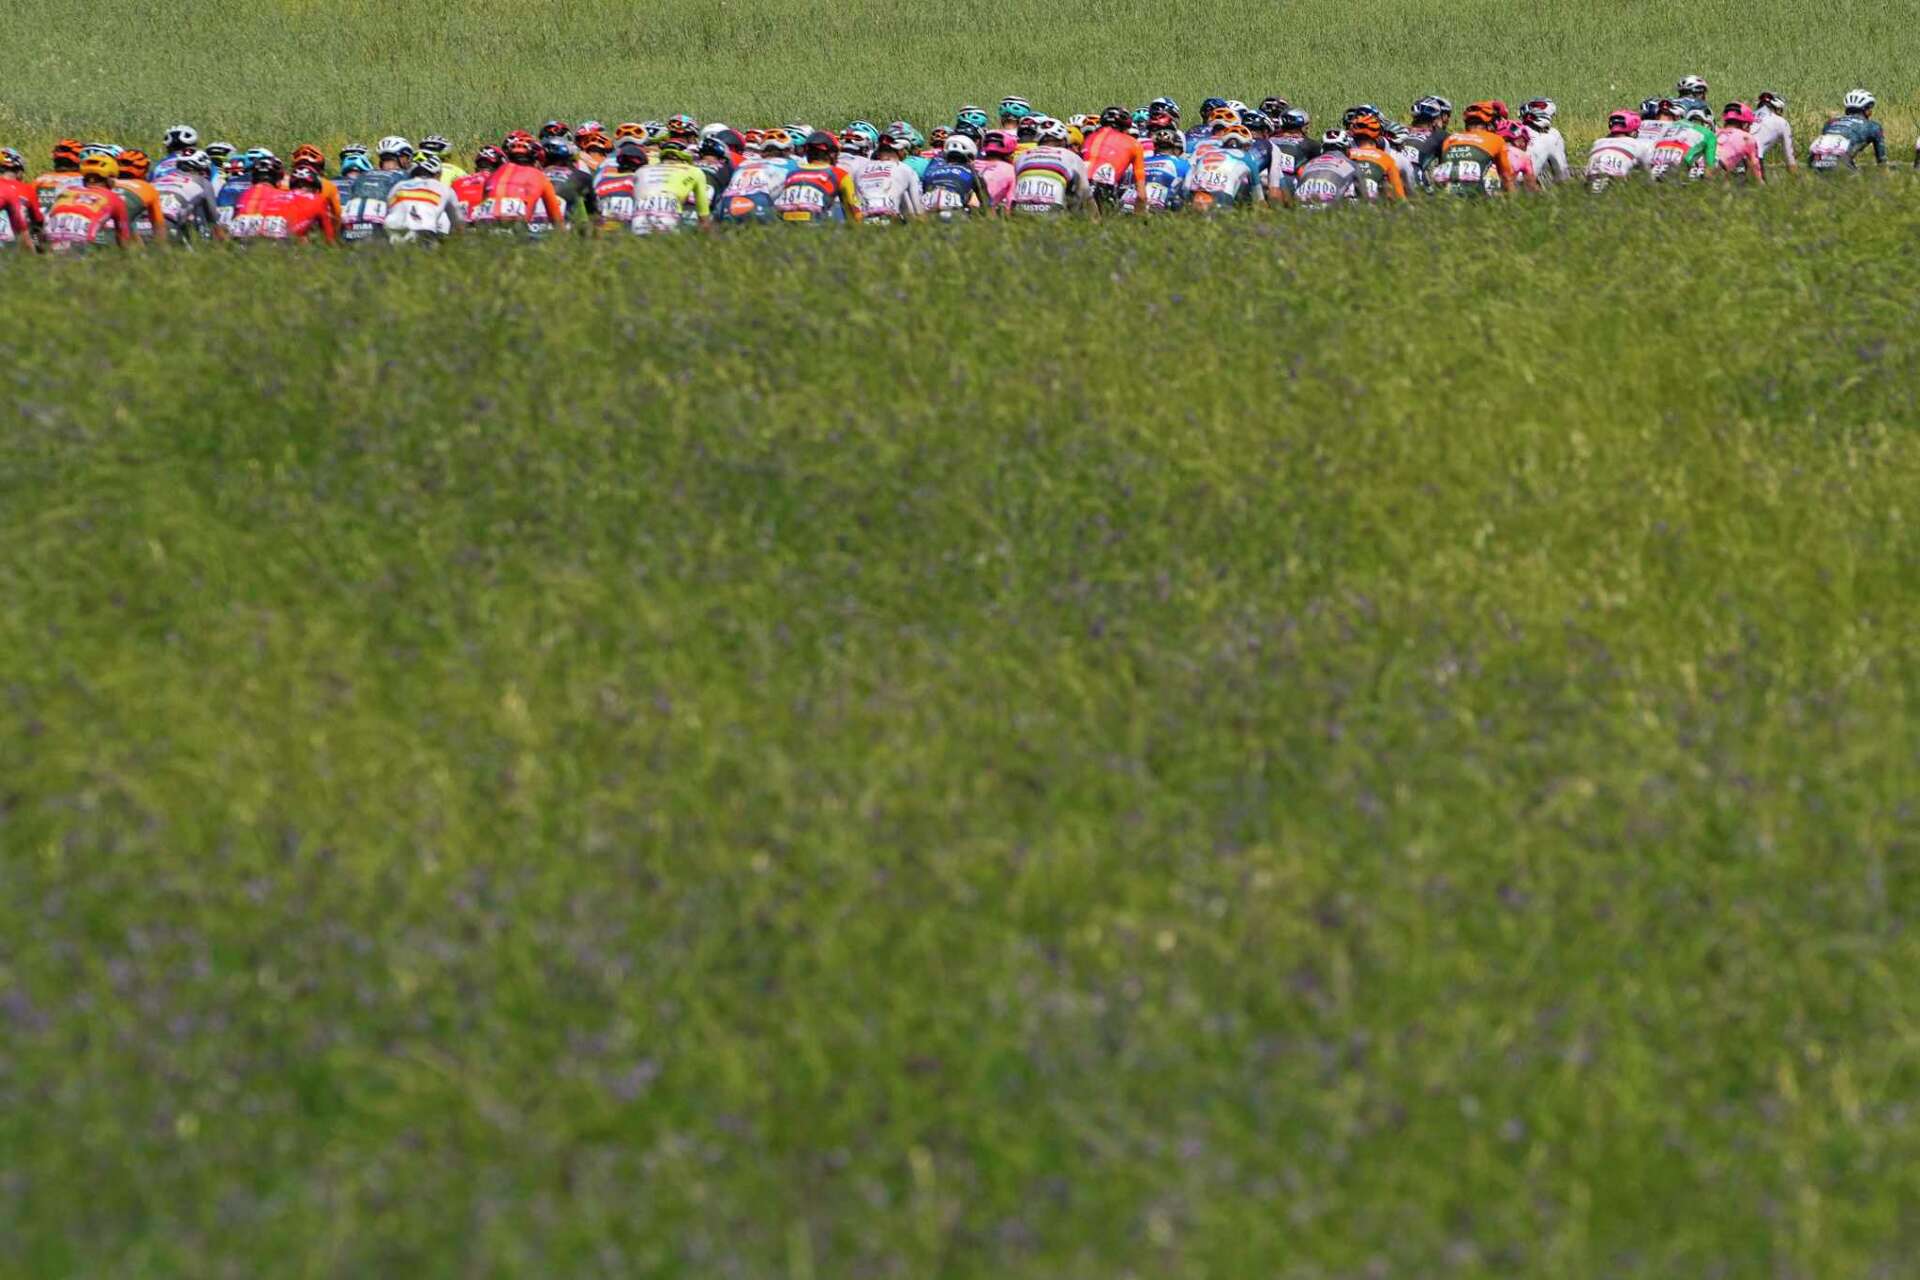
x,y
48,186
514,191
273,213
20,218
81,215
1114,157
470,190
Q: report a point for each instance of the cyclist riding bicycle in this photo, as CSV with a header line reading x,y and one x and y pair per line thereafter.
x,y
1845,136
1115,158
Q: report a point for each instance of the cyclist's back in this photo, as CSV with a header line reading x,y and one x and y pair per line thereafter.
x,y
1845,136
668,194
363,203
1475,161
1048,179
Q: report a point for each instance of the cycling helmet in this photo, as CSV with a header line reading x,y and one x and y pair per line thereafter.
x,y
555,129
1479,115
351,149
1053,131
1649,107
435,144
1771,100
218,151
1691,87
1500,111
631,154
394,145
133,164
1272,107
360,164
307,153
940,135
1256,121
1167,105
821,140
655,129
866,129
520,149
100,149
1158,118
714,127
1540,109
426,165
631,129
266,168
100,166
911,136
1622,123
11,159
1337,140
890,141
1083,121
307,177
236,167
1513,131
1698,115
556,150
1737,113
975,116
1168,140
854,142
182,137
1015,107
1116,118
1859,100
1220,113
1364,123
197,162
594,140
1397,133
960,131
677,149
588,126
777,142
1235,138
489,158
1075,138
998,142
960,149
1210,105
1667,107
259,153
1294,118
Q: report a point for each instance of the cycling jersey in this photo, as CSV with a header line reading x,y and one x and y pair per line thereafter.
x,y
1692,104
574,190
1219,178
1704,153
888,191
1522,166
1328,179
749,197
1739,153
143,203
422,207
364,204
816,192
469,190
1473,162
998,175
1048,180
81,217
1286,153
275,213
948,189
1617,157
514,192
1377,174
227,199
1771,130
48,186
450,172
1167,176
1548,147
719,170
918,163
1842,139
1427,140
21,221
186,201
1114,159
169,163
668,194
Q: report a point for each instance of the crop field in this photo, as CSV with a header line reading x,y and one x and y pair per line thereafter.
x,y
1376,745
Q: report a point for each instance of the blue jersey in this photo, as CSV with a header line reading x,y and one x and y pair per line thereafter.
x,y
1166,183
228,199
946,187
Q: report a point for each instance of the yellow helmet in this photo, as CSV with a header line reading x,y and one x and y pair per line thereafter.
x,y
1075,138
100,167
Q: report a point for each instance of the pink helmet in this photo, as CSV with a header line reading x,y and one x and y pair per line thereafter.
x,y
1737,113
1624,121
1512,130
999,142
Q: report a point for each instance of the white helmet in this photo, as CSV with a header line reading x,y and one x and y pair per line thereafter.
x,y
960,146
182,137
1691,87
1859,100
1540,109
1052,130
1237,105
708,130
427,164
394,145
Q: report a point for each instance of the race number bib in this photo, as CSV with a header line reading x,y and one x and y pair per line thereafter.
x,y
1038,190
1829,151
1103,176
71,228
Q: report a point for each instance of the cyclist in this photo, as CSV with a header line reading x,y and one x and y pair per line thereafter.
x,y
717,156
181,141
1432,124
363,203
517,189
1703,157
671,192
314,158
749,196
472,189
573,188
1660,125
1290,149
1377,172
1013,110
270,211
1114,157
143,202
818,189
65,173
1546,144
233,185
887,189
1691,95
995,166
952,187
1516,136
1330,178
1049,178
1845,136
1203,132
1222,174
1771,128
613,186
21,222
82,213
972,117
1475,161
1621,153
596,149
438,147
186,199
423,207
1167,172
1736,149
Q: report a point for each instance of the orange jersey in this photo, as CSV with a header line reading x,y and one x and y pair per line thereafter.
x,y
81,215
512,192
1489,144
330,197
1114,156
1379,172
48,186
148,220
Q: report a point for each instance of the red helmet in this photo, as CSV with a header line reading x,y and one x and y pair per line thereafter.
x,y
556,129
520,147
489,158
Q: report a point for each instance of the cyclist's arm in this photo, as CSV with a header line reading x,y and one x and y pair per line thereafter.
x,y
1503,161
1140,174
122,220
556,212
1792,161
702,196
456,213
1879,143
849,200
329,229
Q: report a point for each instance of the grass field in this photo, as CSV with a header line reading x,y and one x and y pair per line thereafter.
x,y
1357,746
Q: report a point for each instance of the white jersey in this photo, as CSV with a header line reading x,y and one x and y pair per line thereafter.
x,y
422,206
1218,177
1548,147
888,189
1771,130
1616,158
851,164
1045,178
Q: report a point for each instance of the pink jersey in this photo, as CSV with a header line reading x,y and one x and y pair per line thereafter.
x,y
1522,164
999,176
1738,151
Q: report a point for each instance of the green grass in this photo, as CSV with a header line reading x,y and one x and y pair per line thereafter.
x,y
1301,747
279,71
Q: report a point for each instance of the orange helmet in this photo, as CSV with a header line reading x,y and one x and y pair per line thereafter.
x,y
133,164
1365,126
67,150
630,130
592,140
307,153
1480,115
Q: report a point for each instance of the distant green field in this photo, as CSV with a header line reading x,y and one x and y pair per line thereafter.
x,y
280,70
1372,745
